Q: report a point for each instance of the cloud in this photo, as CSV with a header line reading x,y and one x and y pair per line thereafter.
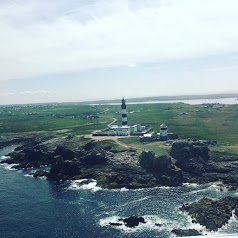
x,y
54,37
132,65
34,92
29,96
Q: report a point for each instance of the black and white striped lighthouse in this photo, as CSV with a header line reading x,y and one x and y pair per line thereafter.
x,y
123,112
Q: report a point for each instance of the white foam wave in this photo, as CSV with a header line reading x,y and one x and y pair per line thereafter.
x,y
165,187
89,185
197,191
191,185
187,223
152,223
135,201
28,175
8,166
124,189
4,157
214,187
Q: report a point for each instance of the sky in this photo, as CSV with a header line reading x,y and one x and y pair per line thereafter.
x,y
76,50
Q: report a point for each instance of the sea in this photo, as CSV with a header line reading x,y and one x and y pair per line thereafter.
x,y
226,101
32,207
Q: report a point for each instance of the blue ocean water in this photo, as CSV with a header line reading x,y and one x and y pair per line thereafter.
x,y
39,208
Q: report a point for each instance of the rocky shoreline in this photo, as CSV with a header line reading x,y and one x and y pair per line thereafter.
x,y
189,162
212,214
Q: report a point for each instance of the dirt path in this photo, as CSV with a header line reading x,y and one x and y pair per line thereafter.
x,y
114,138
121,144
114,120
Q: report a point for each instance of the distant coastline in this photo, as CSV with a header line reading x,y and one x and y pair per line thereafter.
x,y
169,99
227,101
189,99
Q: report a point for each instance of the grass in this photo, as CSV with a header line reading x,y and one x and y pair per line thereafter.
x,y
160,148
109,145
20,119
188,121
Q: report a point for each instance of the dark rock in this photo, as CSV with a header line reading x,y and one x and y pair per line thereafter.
x,y
188,232
210,213
40,173
63,169
32,141
152,163
161,167
29,157
190,156
115,224
66,153
89,146
158,224
121,168
132,221
95,157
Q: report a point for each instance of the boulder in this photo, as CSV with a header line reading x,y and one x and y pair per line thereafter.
x,y
132,221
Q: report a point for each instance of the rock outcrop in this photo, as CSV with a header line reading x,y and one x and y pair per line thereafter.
x,y
126,168
29,157
211,213
190,156
162,168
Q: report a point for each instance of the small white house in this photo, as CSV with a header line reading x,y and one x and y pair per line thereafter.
x,y
148,135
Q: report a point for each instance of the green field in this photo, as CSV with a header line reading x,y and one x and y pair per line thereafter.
x,y
207,122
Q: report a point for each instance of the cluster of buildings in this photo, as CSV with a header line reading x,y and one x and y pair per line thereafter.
x,y
125,130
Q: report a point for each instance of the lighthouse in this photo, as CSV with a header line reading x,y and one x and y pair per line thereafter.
x,y
163,132
123,112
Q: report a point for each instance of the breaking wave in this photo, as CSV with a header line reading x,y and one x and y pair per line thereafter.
x,y
8,166
85,184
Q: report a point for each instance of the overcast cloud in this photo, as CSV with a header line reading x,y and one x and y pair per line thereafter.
x,y
58,38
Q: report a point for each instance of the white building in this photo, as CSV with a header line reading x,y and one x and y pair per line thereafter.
x,y
119,131
135,128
